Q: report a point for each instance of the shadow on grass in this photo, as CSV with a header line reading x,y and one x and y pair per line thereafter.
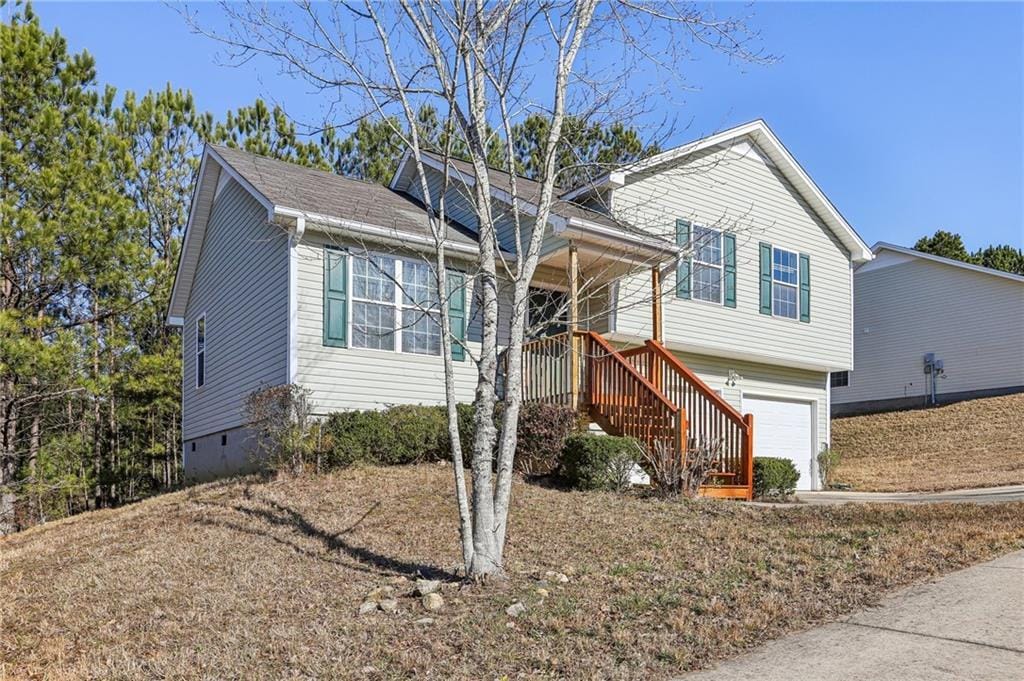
x,y
363,559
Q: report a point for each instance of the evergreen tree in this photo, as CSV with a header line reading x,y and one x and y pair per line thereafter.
x,y
944,244
951,245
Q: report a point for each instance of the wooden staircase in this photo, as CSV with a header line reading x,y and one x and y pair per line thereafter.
x,y
645,393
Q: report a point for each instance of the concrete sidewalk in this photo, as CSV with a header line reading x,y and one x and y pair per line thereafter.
x,y
966,625
981,495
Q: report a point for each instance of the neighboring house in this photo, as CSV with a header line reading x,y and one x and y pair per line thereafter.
x,y
913,311
289,275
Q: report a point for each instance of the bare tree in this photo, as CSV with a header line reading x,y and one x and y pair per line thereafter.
x,y
482,65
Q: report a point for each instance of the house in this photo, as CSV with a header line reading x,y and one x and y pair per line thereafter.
x,y
930,330
702,297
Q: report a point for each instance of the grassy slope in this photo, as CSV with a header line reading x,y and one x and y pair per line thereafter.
x,y
979,443
252,580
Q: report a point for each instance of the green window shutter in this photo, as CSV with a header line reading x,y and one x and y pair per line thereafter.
x,y
683,268
766,278
335,298
729,268
805,288
457,312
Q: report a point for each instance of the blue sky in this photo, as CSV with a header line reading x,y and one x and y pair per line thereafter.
x,y
909,116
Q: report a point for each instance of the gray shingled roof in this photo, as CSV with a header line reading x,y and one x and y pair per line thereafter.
x,y
317,191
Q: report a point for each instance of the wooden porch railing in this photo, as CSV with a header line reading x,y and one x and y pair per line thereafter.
x,y
645,393
712,419
620,397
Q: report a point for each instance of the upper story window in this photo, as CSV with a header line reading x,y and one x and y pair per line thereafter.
x,y
707,264
839,379
201,351
785,283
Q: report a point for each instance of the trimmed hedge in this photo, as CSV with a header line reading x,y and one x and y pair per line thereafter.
x,y
774,478
597,462
409,434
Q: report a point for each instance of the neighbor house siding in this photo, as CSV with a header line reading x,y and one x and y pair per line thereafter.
x,y
241,285
737,190
972,321
344,378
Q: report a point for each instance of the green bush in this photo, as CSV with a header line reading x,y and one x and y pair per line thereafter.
x,y
543,429
399,435
413,434
774,478
597,462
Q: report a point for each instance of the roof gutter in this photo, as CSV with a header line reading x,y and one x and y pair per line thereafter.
x,y
591,231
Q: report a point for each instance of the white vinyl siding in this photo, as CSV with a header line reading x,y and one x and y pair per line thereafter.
x,y
738,191
241,286
359,378
906,307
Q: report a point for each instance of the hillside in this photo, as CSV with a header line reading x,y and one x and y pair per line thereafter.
x,y
978,443
246,579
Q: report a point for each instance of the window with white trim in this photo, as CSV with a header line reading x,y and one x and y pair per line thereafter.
x,y
389,316
785,283
373,302
201,351
421,321
706,273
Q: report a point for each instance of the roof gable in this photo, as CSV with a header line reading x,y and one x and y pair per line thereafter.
x,y
762,140
902,254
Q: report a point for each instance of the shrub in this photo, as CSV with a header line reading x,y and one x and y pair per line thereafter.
x,y
279,417
543,429
774,478
399,435
597,462
828,461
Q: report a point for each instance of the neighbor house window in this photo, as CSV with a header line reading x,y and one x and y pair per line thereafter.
x,y
373,302
785,283
840,379
707,264
201,351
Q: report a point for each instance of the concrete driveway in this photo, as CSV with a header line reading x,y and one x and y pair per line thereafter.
x,y
982,495
966,625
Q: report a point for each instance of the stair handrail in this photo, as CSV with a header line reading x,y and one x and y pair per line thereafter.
x,y
700,385
630,369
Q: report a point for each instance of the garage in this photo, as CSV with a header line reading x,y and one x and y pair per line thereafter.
x,y
784,429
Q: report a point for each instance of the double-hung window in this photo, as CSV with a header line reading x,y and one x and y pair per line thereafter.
x,y
421,327
374,305
707,264
201,351
785,283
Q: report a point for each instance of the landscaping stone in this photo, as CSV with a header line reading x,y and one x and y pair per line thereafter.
x,y
543,593
516,609
424,621
367,607
381,593
389,605
426,586
556,577
432,601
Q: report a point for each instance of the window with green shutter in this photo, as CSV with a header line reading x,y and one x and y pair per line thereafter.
x,y
685,262
335,297
805,287
766,278
457,313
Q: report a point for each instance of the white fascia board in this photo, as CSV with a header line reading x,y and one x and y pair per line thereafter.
x,y
226,167
613,179
401,169
903,250
172,302
584,228
376,231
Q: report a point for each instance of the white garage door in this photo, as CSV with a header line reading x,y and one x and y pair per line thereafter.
x,y
782,428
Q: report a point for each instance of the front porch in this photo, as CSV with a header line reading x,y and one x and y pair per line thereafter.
x,y
645,391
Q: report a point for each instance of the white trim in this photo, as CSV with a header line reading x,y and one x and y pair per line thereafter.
x,y
828,412
393,184
884,246
293,299
263,200
377,231
776,152
175,321
815,405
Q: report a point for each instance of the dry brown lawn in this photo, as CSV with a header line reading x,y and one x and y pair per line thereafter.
x,y
263,580
978,443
